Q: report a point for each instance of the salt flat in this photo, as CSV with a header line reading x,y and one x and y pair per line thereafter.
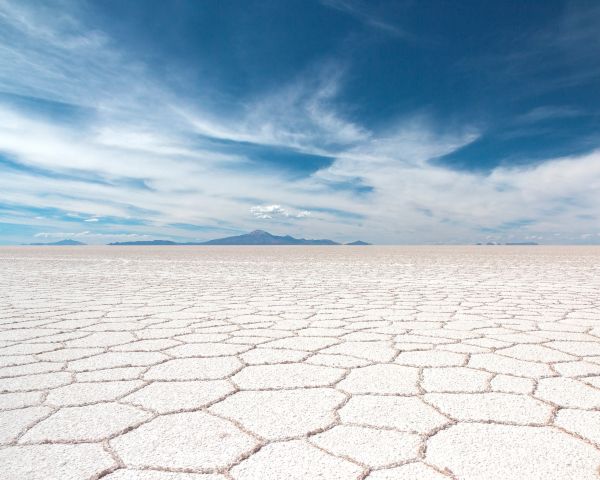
x,y
198,363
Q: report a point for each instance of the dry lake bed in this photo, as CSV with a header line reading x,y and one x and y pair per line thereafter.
x,y
384,363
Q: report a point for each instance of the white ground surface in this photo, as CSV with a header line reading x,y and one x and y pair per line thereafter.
x,y
299,363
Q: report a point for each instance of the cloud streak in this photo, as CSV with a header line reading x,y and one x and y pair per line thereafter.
x,y
361,12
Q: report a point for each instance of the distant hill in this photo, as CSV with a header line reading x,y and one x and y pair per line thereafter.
x,y
257,237
67,241
509,243
260,237
147,242
358,242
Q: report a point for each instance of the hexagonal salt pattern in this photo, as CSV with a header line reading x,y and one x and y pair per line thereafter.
x,y
299,363
468,449
194,440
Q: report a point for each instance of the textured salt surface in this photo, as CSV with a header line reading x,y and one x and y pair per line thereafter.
x,y
207,363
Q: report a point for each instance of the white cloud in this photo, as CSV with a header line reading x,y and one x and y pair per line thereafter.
x,y
277,211
299,115
269,211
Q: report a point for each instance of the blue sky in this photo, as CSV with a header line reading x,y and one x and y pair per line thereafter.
x,y
388,121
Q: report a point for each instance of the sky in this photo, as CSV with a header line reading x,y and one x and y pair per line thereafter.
x,y
393,122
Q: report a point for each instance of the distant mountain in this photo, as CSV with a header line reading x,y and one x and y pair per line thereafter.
x,y
358,242
509,243
67,241
260,237
257,237
147,242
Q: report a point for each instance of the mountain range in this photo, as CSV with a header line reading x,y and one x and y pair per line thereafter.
x,y
67,241
257,237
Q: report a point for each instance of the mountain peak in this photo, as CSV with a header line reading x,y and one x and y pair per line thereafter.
x,y
65,242
257,237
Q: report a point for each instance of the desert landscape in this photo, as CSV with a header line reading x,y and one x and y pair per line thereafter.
x,y
299,240
378,363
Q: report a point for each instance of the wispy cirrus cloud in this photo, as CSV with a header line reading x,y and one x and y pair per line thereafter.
x,y
549,112
361,11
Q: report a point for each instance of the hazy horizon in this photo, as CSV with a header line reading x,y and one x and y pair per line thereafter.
x,y
264,239
389,122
